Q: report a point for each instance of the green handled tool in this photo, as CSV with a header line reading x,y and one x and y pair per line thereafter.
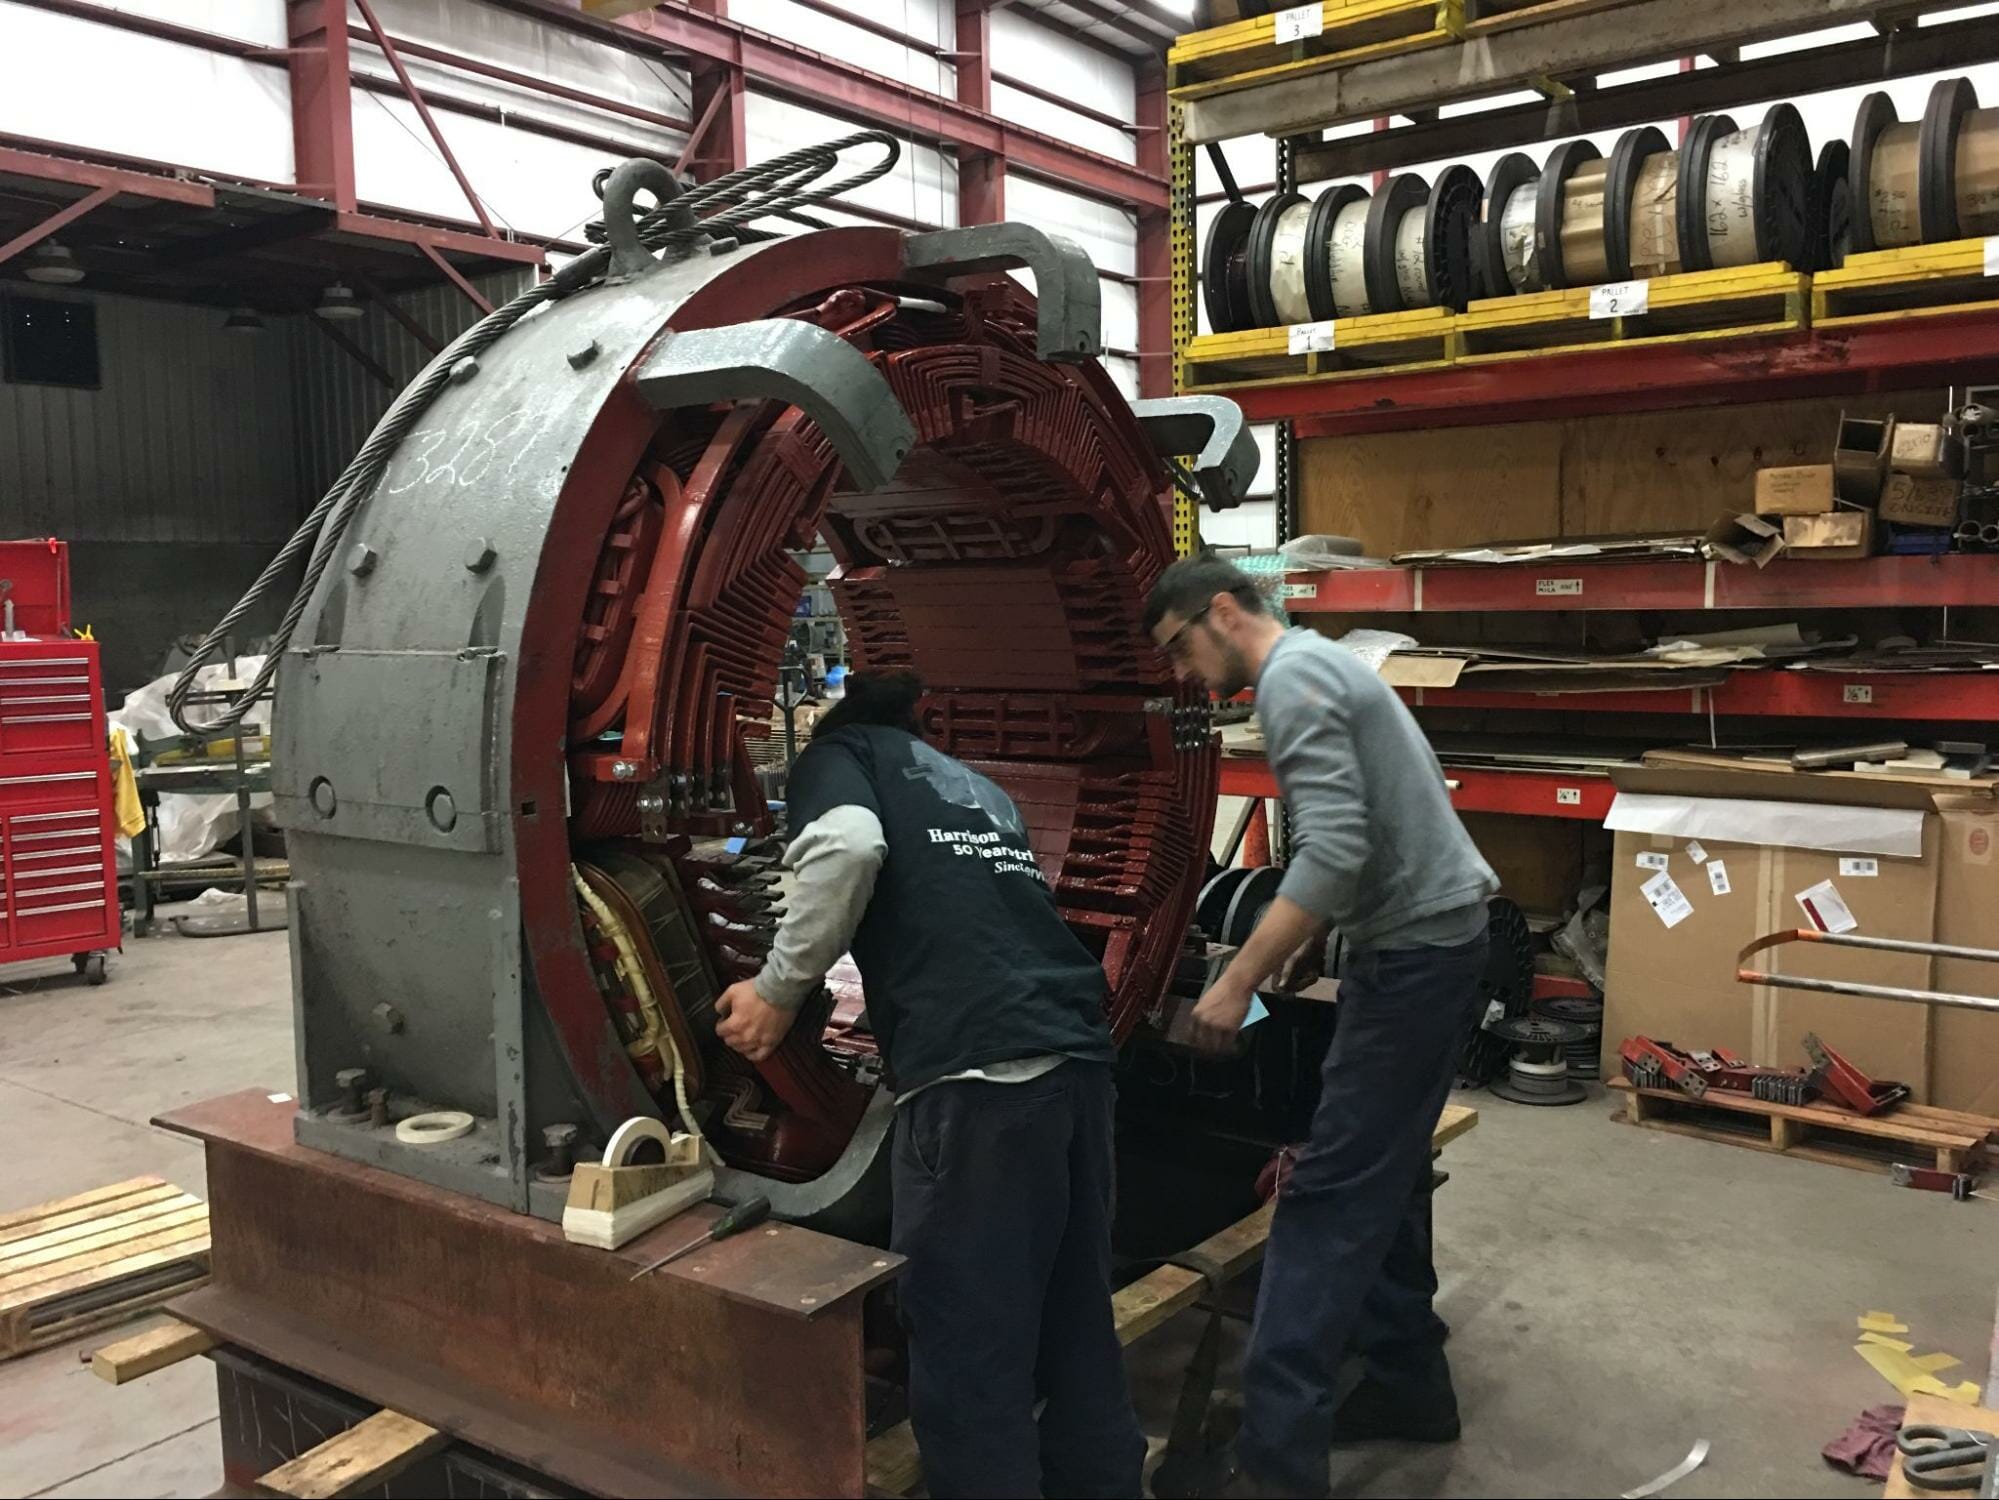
x,y
745,1215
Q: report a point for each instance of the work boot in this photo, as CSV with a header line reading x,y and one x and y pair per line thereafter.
x,y
1377,1412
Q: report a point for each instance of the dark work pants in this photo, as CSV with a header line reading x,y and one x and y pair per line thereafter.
x,y
1003,1206
1348,1261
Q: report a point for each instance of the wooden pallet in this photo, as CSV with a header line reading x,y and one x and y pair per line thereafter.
x,y
1736,302
81,1264
1244,53
1381,342
1916,281
1920,1134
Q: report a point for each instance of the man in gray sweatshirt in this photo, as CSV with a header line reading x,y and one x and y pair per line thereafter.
x,y
1378,853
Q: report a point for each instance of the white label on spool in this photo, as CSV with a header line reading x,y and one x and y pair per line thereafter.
x,y
1299,22
1309,338
1287,265
1516,238
1349,245
1620,299
1731,200
1412,266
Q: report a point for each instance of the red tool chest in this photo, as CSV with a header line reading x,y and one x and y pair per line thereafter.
x,y
58,873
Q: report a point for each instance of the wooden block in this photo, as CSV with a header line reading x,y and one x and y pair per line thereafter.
x,y
608,1228
1934,1411
1152,1299
143,1353
1784,1134
361,1458
894,1467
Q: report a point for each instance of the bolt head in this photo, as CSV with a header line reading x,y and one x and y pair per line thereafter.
x,y
623,770
464,370
388,1018
479,554
361,559
578,358
559,1137
351,1078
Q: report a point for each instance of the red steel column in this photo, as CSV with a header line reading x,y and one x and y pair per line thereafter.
x,y
721,117
1155,242
981,174
322,100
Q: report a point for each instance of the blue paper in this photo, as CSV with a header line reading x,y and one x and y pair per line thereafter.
x,y
736,846
1257,1011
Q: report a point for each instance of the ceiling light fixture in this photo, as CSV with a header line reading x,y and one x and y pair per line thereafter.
x,y
243,320
52,263
338,304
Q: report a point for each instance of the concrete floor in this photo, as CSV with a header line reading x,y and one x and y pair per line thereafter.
x,y
1614,1293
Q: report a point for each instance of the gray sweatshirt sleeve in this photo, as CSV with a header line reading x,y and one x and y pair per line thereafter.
x,y
835,859
1305,725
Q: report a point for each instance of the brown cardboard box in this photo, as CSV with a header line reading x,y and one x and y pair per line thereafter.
x,y
1842,533
1910,501
1746,539
1678,983
1964,1053
1796,490
1860,458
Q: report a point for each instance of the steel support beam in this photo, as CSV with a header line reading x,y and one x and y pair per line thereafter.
x,y
322,99
839,88
452,275
1155,243
29,238
981,174
423,113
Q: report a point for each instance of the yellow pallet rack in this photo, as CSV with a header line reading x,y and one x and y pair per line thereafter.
x,y
1244,53
1916,281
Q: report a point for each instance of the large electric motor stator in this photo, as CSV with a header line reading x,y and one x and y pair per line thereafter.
x,y
526,834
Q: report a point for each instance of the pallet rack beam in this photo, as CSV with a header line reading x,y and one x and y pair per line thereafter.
x,y
1562,39
1581,795
1937,697
1958,580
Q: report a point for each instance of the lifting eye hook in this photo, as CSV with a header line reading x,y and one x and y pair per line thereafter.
x,y
629,257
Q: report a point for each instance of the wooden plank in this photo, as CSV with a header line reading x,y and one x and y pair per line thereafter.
x,y
894,1465
1694,1132
363,1457
12,1255
81,1200
95,1249
108,1265
143,1353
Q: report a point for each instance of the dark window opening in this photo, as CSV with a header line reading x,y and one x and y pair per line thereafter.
x,y
50,342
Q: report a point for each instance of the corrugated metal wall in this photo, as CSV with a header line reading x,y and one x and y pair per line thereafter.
x,y
338,402
184,442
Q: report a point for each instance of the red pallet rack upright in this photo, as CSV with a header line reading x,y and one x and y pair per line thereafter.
x,y
58,874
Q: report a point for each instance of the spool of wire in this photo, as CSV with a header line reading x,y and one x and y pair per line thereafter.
x,y
1568,216
1746,196
1641,189
1418,242
1884,174
1335,285
1225,268
1503,245
1264,229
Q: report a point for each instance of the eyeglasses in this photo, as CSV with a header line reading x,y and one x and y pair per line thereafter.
x,y
1171,645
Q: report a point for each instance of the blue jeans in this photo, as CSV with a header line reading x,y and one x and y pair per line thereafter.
x,y
1348,1261
1003,1206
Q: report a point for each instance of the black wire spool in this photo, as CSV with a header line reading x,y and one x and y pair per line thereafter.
x,y
1549,202
1450,221
1633,149
1494,271
1577,1010
1398,198
1937,148
1538,1073
1885,215
1748,196
1262,237
1325,288
1230,905
1832,208
1504,990
1225,269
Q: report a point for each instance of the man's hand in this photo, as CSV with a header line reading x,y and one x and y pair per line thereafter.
x,y
749,1023
1306,964
1218,1016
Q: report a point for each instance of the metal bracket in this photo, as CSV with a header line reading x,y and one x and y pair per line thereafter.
x,y
783,359
1065,280
1212,428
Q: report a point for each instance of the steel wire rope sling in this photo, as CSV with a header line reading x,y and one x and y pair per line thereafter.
x,y
778,188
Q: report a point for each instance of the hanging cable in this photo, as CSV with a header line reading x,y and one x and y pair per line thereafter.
x,y
772,189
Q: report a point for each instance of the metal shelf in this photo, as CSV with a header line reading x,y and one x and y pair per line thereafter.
x,y
1590,584
1933,347
1581,795
1956,697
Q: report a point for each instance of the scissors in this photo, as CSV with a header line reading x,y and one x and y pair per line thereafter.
x,y
1932,1457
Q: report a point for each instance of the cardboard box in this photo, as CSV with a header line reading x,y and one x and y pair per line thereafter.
x,y
1964,1054
1909,501
1677,983
1746,539
1842,533
1922,451
1795,490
